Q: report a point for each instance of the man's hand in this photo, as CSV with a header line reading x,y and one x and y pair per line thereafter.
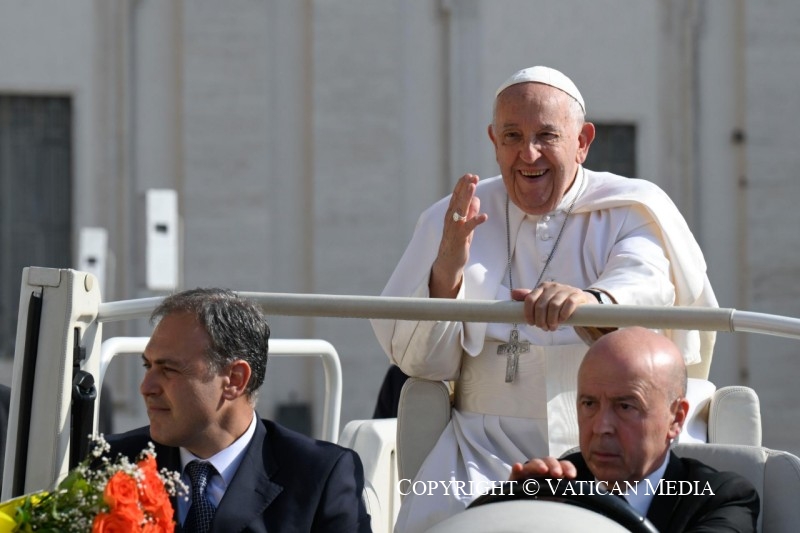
x,y
448,268
549,467
550,304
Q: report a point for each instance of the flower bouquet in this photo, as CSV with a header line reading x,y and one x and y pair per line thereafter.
x,y
114,496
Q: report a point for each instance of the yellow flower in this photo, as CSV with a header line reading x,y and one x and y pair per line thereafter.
x,y
7,523
99,495
7,511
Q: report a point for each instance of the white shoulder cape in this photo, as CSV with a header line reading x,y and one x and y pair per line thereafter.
x,y
486,265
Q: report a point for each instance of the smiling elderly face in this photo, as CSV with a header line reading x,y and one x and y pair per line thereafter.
x,y
540,139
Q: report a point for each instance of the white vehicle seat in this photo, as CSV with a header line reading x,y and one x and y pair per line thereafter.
x,y
374,441
422,415
734,416
731,415
775,475
523,516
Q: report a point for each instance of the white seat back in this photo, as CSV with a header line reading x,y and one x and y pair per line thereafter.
x,y
523,516
730,415
374,441
775,475
422,415
734,417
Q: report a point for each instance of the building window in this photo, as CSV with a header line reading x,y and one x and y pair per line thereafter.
x,y
613,149
35,195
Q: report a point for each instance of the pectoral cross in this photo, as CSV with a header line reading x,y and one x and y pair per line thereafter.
x,y
512,349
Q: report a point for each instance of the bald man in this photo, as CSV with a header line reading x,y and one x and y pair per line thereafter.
x,y
631,405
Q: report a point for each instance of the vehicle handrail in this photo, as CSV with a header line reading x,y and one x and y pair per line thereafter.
x,y
277,347
399,308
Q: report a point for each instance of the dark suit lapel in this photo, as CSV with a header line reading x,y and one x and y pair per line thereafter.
x,y
169,458
662,507
251,489
584,474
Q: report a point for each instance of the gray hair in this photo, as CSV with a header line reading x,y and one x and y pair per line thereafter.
x,y
236,327
575,111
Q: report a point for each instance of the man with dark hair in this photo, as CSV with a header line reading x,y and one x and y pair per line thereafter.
x,y
204,364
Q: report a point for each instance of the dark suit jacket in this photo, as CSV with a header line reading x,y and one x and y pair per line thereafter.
x,y
286,482
733,507
389,393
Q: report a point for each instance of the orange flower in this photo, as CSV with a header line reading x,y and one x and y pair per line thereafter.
x,y
159,527
153,495
121,491
118,497
130,512
113,523
151,488
163,513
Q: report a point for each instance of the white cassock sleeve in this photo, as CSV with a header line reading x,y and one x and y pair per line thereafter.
x,y
425,349
637,271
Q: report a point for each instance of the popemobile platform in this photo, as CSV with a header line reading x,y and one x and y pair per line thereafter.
x,y
61,357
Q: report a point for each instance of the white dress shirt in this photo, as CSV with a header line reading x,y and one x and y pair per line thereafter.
x,y
226,462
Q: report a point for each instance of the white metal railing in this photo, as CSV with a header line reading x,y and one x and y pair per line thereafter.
x,y
329,305
73,304
277,347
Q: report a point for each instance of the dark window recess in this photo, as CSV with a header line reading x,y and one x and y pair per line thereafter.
x,y
613,149
35,195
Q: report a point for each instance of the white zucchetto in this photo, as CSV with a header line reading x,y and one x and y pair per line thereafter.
x,y
548,76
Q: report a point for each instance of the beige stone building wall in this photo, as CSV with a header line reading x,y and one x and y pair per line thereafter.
x,y
305,137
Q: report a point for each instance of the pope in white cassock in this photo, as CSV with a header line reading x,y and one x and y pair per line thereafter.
x,y
551,233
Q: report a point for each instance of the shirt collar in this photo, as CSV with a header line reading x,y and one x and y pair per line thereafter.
x,y
642,498
574,191
226,461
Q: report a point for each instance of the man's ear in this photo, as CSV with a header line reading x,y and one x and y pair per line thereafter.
x,y
678,417
585,138
490,131
238,378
